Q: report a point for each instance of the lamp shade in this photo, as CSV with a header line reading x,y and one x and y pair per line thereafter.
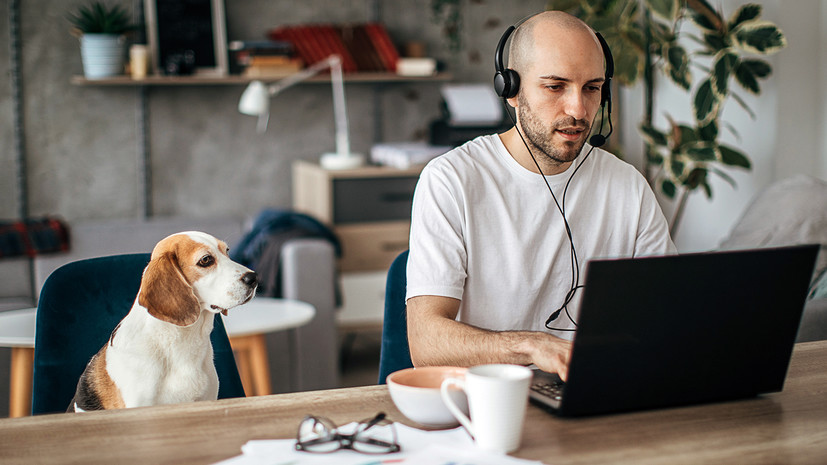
x,y
255,101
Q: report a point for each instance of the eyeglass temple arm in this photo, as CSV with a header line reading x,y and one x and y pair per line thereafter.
x,y
379,417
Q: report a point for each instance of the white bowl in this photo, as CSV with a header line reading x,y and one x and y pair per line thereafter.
x,y
415,391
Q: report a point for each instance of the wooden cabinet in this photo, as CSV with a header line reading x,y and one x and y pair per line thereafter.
x,y
368,208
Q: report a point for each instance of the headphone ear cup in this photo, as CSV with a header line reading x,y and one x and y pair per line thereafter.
x,y
500,83
507,83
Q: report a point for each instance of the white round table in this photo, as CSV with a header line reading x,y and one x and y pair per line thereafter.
x,y
266,314
246,326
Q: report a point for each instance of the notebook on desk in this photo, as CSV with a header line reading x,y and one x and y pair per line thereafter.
x,y
684,329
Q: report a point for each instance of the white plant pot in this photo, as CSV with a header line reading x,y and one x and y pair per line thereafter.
x,y
102,55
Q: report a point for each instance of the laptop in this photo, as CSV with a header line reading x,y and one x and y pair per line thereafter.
x,y
685,329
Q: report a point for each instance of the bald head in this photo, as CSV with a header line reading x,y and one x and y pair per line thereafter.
x,y
541,28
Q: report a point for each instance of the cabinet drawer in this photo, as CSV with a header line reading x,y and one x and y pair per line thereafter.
x,y
358,200
371,246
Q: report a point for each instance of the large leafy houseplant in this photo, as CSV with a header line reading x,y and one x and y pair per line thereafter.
x,y
645,38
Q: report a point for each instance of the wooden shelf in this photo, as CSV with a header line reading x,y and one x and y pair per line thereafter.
x,y
368,78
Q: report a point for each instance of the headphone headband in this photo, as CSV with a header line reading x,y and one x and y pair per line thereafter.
x,y
498,55
606,89
507,81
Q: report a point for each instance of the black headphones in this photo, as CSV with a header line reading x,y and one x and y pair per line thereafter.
x,y
507,81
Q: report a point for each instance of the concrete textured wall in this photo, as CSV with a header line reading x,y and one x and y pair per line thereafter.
x,y
83,144
207,159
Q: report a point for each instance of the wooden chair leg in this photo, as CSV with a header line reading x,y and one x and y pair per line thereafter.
x,y
260,365
241,350
20,387
253,365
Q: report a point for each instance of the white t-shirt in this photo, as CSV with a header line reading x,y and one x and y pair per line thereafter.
x,y
485,230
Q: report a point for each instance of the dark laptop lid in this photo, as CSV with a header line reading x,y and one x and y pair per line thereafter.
x,y
683,329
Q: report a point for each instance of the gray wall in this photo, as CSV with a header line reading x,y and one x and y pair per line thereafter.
x,y
207,158
83,145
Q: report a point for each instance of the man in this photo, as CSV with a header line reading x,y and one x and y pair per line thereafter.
x,y
492,252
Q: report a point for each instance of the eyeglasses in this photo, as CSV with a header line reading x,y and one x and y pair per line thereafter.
x,y
376,435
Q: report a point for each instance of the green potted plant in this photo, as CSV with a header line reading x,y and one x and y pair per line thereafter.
x,y
101,30
645,38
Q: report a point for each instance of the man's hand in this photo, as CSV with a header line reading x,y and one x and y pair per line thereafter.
x,y
549,353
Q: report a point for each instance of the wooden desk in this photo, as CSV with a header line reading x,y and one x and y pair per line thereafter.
x,y
783,428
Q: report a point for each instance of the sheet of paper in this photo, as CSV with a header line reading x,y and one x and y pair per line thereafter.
x,y
443,454
419,447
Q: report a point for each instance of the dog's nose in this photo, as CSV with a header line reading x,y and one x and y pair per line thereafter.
x,y
250,278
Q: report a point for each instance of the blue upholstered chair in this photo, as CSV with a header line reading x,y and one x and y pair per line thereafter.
x,y
80,304
395,354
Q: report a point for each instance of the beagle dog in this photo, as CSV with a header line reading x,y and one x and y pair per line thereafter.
x,y
160,353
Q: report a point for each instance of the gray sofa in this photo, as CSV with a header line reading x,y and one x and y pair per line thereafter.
x,y
790,212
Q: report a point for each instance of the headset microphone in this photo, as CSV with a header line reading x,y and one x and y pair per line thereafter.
x,y
597,140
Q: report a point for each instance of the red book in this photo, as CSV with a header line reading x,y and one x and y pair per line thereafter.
x,y
363,38
358,43
307,36
334,41
288,33
326,47
384,45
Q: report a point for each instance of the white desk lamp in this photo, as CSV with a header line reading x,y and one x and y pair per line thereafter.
x,y
255,101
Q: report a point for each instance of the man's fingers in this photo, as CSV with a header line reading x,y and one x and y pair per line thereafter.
x,y
562,366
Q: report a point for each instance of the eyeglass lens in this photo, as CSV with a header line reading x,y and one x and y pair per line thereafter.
x,y
375,437
318,435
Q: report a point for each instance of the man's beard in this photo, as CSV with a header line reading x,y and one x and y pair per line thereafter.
x,y
540,136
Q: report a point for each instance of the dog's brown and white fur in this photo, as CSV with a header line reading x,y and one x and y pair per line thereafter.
x,y
160,353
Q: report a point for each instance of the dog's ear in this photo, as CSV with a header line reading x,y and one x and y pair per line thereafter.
x,y
166,294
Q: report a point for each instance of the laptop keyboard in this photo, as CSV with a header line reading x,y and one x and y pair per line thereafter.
x,y
551,389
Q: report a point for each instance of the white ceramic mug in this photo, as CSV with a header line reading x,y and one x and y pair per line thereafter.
x,y
497,399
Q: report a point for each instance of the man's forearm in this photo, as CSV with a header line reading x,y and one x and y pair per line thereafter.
x,y
436,338
447,342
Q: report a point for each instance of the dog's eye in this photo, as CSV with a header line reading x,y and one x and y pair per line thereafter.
x,y
206,260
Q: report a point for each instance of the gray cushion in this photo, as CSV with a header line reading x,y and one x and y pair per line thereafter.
x,y
789,212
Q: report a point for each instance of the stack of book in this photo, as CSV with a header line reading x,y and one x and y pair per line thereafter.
x,y
362,47
263,58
